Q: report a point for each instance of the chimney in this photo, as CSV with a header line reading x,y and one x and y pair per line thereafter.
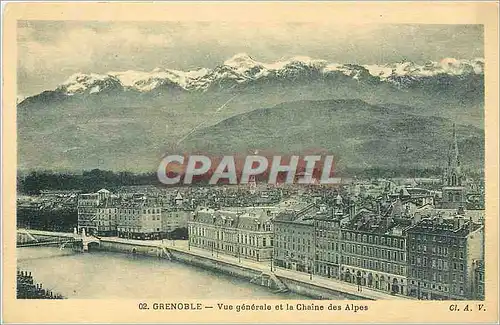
x,y
416,219
352,211
439,219
458,222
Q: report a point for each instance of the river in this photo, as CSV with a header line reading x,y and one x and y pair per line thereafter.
x,y
105,275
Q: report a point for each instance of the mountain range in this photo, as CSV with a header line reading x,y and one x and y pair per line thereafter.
x,y
242,69
128,120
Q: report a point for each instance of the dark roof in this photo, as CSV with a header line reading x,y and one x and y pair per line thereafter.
x,y
371,222
291,217
445,227
232,218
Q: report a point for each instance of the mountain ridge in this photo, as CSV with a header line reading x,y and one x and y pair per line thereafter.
x,y
242,69
377,136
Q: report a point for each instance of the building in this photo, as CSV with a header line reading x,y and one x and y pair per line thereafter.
x,y
107,215
139,219
294,236
374,252
478,284
97,213
173,218
414,196
441,255
328,238
179,199
246,235
129,216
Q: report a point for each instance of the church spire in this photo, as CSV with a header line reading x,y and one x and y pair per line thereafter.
x,y
453,174
456,157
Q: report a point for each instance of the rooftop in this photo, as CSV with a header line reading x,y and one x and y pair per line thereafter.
x,y
370,221
457,227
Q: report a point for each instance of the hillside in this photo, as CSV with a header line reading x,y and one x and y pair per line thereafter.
x,y
129,120
357,133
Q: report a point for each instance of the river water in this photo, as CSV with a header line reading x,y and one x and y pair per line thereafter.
x,y
105,275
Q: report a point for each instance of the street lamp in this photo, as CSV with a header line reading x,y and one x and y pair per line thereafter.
x,y
218,240
272,257
239,247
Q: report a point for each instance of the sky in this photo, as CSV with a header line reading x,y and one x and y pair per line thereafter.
x,y
50,51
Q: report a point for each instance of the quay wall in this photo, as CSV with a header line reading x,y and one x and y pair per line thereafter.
x,y
316,291
248,273
215,265
139,249
183,257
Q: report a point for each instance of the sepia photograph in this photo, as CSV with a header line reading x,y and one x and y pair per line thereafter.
x,y
294,165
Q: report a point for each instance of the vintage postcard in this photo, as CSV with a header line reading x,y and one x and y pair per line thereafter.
x,y
205,162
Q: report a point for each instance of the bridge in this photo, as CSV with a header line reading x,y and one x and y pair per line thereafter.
x,y
30,238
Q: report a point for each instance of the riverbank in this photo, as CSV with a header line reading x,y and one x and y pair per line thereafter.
x,y
256,272
112,275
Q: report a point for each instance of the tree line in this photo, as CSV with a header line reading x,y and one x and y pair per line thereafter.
x,y
90,181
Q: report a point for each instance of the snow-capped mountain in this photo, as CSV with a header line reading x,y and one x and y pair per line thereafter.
x,y
80,83
242,69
